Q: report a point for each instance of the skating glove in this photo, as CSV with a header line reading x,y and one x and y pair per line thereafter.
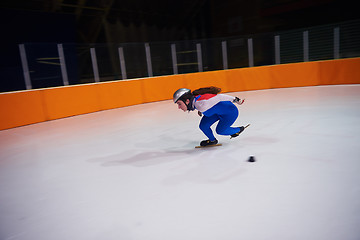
x,y
238,100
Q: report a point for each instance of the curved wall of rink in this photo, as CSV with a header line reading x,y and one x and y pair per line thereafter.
x,y
33,106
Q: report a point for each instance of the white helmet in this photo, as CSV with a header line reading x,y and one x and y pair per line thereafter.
x,y
179,93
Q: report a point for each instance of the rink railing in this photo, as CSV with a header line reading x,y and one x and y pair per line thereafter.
x,y
34,106
50,64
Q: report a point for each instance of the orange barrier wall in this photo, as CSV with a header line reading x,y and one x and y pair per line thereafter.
x,y
33,106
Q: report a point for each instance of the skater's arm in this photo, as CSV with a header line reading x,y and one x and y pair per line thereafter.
x,y
225,97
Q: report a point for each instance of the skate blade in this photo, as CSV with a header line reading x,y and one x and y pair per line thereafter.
x,y
219,144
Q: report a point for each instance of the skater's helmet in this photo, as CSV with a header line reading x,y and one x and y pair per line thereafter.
x,y
181,94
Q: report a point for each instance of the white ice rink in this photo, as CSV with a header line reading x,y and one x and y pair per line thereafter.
x,y
133,173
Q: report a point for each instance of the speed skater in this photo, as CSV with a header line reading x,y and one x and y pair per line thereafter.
x,y
212,107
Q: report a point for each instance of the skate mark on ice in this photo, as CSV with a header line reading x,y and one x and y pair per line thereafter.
x,y
145,158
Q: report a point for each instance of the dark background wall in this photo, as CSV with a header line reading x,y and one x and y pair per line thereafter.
x,y
120,21
162,20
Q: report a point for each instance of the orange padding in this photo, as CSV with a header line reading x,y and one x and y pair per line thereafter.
x,y
27,107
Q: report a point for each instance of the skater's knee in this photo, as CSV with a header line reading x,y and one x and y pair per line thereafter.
x,y
220,130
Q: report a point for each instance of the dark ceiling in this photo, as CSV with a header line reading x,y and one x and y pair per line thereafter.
x,y
90,15
164,20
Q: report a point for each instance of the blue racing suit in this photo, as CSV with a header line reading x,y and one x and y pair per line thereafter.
x,y
217,107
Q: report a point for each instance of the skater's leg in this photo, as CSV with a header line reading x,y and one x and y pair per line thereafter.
x,y
205,125
226,120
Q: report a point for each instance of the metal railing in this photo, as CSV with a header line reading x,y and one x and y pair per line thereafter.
x,y
50,65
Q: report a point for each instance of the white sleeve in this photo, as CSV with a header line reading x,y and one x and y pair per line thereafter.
x,y
225,97
206,104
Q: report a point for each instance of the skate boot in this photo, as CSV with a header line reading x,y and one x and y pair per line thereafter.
x,y
238,133
242,128
207,143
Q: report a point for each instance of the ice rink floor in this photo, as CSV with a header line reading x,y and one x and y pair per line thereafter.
x,y
133,173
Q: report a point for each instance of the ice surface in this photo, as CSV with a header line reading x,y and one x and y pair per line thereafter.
x,y
133,173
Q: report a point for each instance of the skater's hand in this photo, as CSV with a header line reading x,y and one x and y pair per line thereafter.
x,y
199,113
238,100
